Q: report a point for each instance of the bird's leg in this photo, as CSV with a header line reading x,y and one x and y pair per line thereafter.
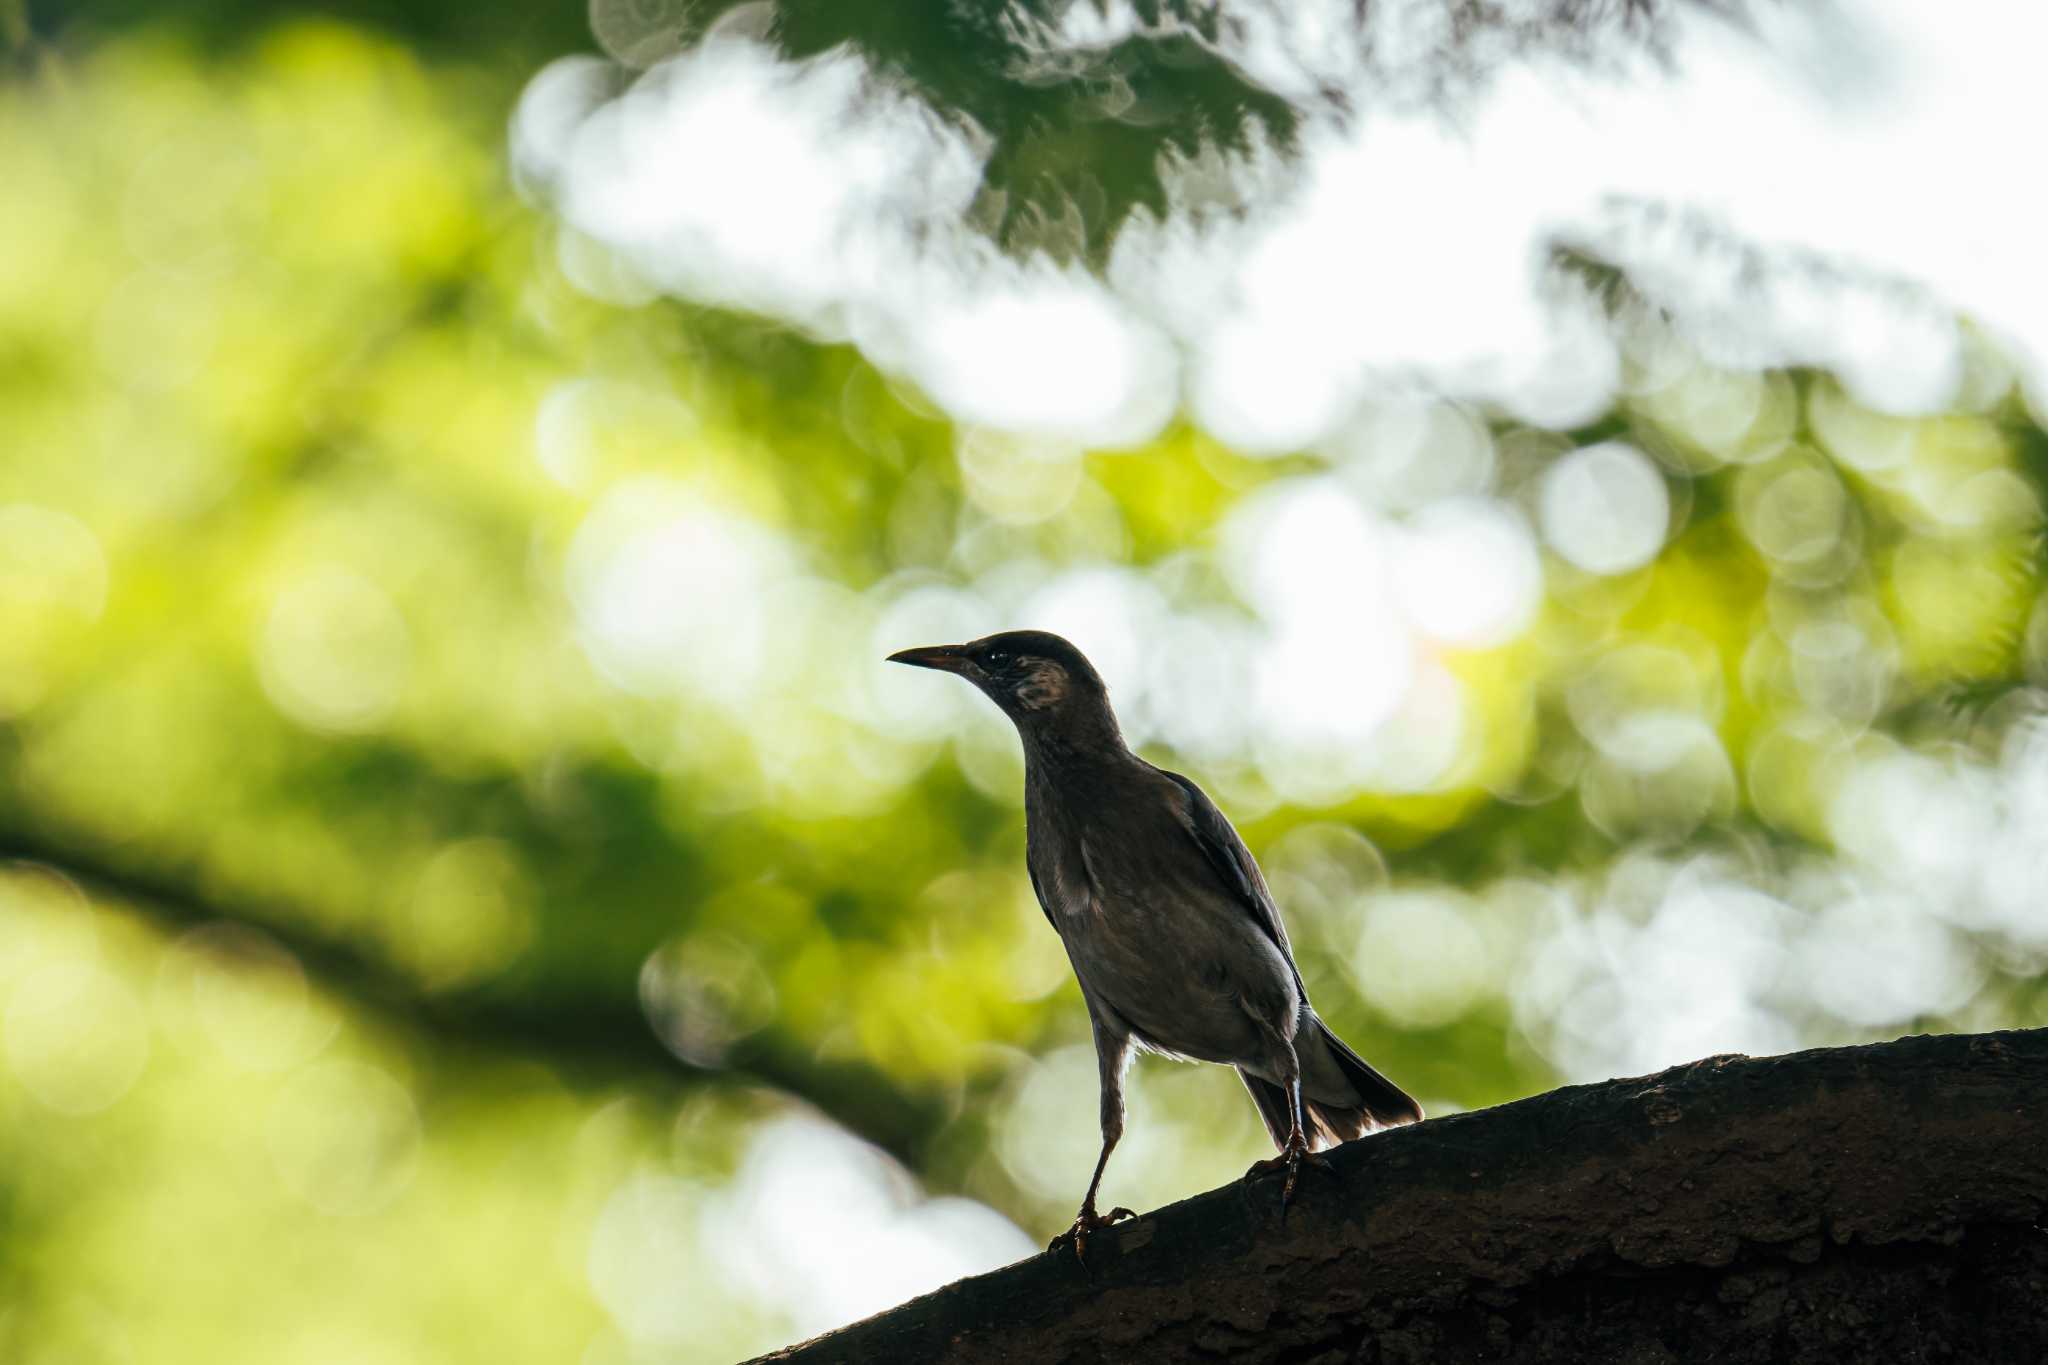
x,y
1112,1053
1089,1220
1295,1150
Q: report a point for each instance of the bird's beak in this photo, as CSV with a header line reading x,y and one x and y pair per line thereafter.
x,y
945,658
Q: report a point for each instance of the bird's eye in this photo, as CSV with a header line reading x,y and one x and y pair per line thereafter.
x,y
997,659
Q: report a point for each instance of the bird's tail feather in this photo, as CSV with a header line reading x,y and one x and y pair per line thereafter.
x,y
1381,1103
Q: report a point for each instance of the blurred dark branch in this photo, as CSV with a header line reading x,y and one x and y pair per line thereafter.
x,y
588,1039
1866,1203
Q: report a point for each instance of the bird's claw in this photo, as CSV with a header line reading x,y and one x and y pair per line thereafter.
x,y
1291,1159
1088,1221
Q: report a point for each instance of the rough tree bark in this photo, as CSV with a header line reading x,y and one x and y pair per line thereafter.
x,y
1880,1203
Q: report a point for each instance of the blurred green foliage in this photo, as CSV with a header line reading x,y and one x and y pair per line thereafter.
x,y
370,930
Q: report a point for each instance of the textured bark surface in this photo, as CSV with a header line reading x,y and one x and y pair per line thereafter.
x,y
1847,1204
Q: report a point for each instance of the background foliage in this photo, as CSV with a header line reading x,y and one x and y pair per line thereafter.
x,y
411,949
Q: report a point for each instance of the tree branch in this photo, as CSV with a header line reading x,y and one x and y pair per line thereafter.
x,y
1879,1202
589,1038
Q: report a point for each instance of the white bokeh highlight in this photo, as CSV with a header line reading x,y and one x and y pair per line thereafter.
x,y
826,1230
1411,243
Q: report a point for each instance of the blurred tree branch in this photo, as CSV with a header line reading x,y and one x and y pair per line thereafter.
x,y
591,1038
1878,1202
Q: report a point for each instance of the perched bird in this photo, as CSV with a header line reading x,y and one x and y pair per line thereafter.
x,y
1165,916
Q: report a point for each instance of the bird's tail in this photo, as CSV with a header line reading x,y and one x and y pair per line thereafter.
x,y
1378,1102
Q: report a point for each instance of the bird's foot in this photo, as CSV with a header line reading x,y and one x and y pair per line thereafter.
x,y
1088,1221
1293,1155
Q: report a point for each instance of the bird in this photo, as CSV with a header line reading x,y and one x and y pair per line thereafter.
x,y
1165,916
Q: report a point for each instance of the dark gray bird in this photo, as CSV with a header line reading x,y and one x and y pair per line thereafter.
x,y
1166,918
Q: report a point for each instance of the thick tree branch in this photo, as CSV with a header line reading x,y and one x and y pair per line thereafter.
x,y
1866,1203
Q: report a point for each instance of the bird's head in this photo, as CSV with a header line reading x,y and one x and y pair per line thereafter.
x,y
1039,680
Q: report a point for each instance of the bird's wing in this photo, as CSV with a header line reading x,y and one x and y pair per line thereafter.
x,y
1233,862
1044,905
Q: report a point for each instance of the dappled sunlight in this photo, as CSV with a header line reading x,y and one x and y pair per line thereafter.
x,y
53,585
107,1024
245,994
704,993
471,886
826,1230
76,1038
1604,508
291,1114
847,215
666,585
1409,244
344,1137
332,653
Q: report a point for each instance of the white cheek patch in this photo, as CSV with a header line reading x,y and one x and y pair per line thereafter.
x,y
1045,685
